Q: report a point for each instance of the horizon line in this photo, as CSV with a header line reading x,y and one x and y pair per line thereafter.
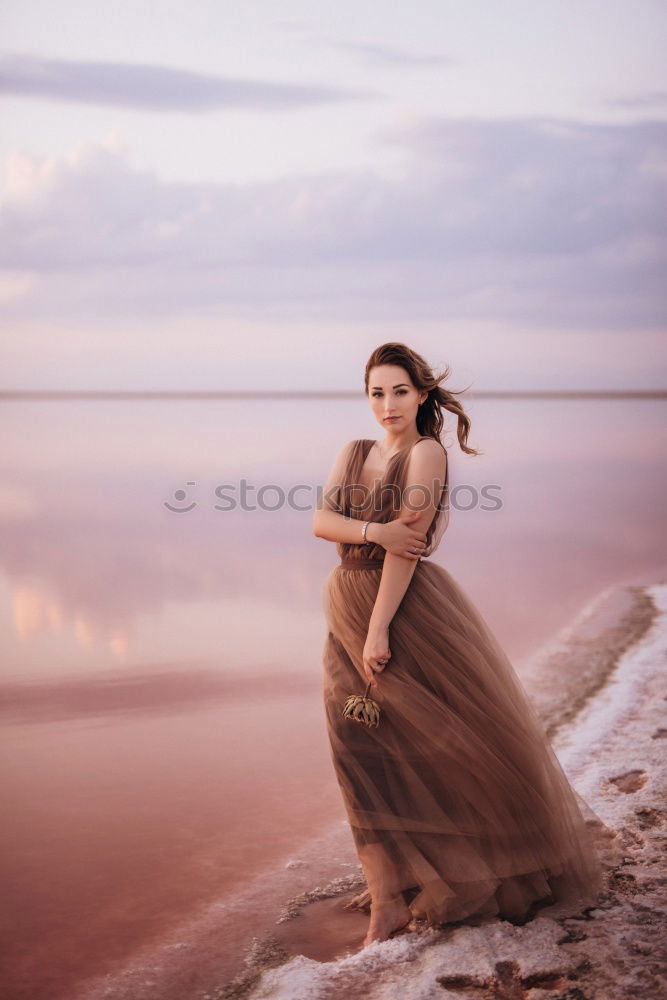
x,y
185,394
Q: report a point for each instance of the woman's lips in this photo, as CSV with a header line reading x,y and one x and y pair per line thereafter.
x,y
391,418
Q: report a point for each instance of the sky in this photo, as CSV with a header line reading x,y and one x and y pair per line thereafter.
x,y
208,195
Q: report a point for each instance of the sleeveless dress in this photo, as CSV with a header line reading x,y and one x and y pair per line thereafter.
x,y
456,799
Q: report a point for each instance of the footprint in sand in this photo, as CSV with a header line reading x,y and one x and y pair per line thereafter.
x,y
630,781
648,818
507,982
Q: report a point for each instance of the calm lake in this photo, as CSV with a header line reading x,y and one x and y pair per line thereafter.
x,y
163,733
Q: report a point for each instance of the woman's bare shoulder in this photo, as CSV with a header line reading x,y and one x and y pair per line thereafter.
x,y
343,456
430,446
345,452
428,453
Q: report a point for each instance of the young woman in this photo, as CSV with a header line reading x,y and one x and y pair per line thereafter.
x,y
457,803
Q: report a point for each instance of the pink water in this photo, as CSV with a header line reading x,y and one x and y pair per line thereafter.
x,y
163,735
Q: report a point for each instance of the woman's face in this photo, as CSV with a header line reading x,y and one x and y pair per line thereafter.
x,y
392,395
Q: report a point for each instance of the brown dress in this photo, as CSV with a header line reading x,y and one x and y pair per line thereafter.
x,y
456,798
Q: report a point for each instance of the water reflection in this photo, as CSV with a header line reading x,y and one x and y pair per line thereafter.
x,y
164,737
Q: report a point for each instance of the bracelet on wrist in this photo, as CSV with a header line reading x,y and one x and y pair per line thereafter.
x,y
364,528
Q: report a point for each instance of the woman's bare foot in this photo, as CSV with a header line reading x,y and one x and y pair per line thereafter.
x,y
360,902
387,917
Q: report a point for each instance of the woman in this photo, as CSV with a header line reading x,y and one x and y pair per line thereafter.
x,y
457,803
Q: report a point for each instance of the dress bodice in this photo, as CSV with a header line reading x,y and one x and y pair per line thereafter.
x,y
383,502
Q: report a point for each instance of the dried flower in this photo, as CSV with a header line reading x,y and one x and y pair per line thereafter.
x,y
361,708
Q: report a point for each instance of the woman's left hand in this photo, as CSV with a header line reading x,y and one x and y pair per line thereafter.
x,y
376,654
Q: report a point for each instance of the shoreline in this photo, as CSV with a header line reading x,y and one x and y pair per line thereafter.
x,y
284,935
597,688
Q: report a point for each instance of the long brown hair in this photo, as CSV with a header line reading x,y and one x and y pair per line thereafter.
x,y
430,420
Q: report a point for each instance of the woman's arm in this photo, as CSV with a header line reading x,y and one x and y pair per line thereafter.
x,y
338,528
333,526
402,537
425,471
424,479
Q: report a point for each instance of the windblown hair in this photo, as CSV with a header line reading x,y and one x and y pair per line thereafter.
x,y
430,419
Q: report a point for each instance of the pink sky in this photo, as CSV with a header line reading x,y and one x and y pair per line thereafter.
x,y
207,205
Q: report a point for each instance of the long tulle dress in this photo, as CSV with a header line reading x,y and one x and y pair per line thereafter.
x,y
456,799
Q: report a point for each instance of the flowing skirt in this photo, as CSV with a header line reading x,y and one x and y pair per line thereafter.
x,y
456,799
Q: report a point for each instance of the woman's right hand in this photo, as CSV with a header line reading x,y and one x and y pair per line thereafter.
x,y
400,538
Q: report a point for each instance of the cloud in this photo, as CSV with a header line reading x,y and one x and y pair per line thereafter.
x,y
538,222
155,88
647,100
386,55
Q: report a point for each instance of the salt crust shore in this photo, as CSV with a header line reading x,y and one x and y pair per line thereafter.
x,y
601,691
